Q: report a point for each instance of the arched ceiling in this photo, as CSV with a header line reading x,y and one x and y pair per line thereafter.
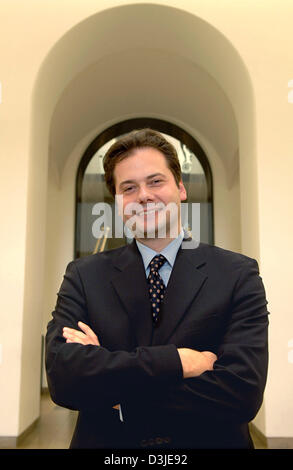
x,y
143,82
142,60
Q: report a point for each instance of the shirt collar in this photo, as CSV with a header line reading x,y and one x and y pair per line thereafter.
x,y
170,251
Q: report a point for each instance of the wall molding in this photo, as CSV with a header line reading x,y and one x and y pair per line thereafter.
x,y
12,442
272,442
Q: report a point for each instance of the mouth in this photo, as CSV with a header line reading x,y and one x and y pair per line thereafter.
x,y
150,211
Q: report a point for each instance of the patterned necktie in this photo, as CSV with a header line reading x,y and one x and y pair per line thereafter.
x,y
156,285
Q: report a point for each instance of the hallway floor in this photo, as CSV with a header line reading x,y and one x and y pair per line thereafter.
x,y
55,427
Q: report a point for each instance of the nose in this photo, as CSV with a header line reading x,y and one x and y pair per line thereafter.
x,y
144,195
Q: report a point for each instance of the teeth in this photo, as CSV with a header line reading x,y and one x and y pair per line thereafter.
x,y
152,211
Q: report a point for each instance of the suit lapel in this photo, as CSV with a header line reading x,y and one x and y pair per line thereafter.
x,y
131,286
184,284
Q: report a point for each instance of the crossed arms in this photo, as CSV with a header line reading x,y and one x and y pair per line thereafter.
x,y
193,362
82,374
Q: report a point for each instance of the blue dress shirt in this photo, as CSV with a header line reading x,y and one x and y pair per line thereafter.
x,y
170,253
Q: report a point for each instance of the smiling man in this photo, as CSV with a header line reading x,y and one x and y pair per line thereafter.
x,y
174,338
150,190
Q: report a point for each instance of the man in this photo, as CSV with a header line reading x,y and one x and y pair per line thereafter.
x,y
164,352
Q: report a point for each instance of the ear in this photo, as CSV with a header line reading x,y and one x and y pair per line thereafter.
x,y
182,191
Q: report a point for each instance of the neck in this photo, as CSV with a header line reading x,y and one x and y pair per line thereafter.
x,y
157,244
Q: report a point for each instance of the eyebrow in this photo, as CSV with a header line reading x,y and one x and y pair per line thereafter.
x,y
147,178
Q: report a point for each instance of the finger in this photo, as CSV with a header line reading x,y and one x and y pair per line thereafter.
x,y
75,336
77,341
73,333
89,332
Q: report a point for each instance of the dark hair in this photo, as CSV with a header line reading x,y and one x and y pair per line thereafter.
x,y
126,146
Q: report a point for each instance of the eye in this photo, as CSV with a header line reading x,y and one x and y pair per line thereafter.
x,y
128,189
156,181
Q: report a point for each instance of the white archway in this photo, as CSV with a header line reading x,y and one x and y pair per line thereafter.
x,y
141,61
167,39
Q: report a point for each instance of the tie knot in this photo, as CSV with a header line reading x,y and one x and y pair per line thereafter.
x,y
157,262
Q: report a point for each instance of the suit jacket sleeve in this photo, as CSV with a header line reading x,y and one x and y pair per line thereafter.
x,y
86,377
234,389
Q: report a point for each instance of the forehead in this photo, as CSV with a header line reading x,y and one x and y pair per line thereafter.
x,y
142,162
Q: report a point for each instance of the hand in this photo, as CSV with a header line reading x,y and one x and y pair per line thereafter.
x,y
194,363
76,336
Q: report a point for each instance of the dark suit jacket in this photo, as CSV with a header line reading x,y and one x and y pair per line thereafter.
x,y
214,301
